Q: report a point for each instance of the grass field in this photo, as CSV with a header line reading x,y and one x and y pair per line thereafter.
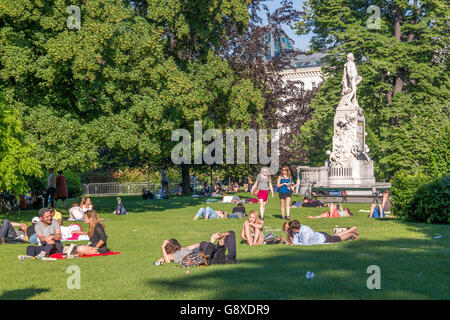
x,y
413,264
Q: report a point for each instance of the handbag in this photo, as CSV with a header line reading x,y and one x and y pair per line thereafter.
x,y
194,259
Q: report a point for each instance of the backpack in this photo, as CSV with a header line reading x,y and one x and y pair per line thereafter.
x,y
194,259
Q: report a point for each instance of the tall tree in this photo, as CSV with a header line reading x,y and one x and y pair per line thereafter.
x,y
16,161
404,65
285,101
134,72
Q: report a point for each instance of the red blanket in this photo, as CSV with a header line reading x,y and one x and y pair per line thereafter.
x,y
60,255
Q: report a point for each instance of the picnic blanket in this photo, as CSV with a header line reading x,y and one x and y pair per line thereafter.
x,y
76,237
60,255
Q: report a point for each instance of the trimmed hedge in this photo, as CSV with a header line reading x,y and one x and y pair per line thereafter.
x,y
419,198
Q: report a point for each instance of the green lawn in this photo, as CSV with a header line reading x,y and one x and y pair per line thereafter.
x,y
414,265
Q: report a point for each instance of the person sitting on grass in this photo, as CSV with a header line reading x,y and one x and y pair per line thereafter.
x,y
216,253
49,233
252,230
86,204
36,201
97,236
217,190
238,211
75,213
56,215
172,251
206,190
334,212
377,211
180,190
304,235
120,209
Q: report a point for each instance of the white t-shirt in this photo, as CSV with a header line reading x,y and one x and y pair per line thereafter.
x,y
52,180
76,212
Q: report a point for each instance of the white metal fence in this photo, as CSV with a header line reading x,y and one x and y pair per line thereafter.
x,y
126,188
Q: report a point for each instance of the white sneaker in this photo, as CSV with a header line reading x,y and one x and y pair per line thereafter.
x,y
40,255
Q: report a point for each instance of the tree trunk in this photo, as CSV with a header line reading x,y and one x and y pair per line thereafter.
x,y
186,179
399,81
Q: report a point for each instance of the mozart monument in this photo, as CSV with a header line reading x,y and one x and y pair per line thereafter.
x,y
349,163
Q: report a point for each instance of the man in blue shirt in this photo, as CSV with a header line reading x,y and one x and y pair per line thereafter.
x,y
304,235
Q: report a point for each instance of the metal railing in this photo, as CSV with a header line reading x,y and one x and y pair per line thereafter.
x,y
125,188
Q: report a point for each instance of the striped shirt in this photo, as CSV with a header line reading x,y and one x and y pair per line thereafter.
x,y
307,236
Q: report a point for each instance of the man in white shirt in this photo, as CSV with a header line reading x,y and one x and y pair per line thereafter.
x,y
304,235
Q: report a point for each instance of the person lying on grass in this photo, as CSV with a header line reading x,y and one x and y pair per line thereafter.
x,y
97,236
288,232
172,251
252,230
9,234
216,253
334,212
308,202
304,235
208,213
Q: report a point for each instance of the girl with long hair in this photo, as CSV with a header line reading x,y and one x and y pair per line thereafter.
x,y
252,230
86,204
284,185
97,236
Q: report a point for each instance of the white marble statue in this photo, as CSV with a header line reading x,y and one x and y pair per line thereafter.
x,y
350,82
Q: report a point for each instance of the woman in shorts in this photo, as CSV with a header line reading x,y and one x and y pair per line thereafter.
x,y
264,184
284,183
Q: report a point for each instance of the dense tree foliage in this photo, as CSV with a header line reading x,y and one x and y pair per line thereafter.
x,y
404,65
16,162
134,72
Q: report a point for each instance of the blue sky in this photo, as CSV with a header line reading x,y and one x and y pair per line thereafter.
x,y
300,42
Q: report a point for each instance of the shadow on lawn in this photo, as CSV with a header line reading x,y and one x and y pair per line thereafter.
x,y
22,294
341,273
133,204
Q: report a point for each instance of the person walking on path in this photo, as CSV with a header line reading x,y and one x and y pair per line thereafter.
x,y
284,185
264,184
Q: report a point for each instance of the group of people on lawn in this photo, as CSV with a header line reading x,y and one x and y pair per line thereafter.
x,y
46,228
46,232
224,252
252,229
